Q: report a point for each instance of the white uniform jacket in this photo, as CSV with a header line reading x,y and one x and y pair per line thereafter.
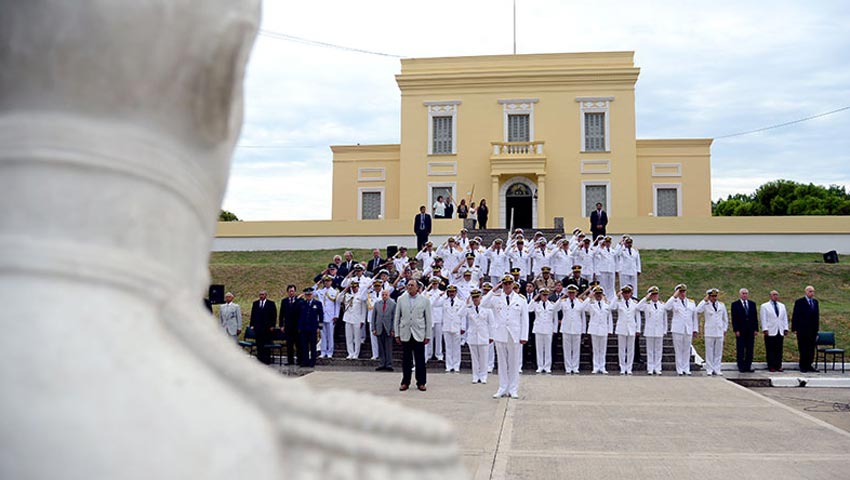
x,y
478,324
573,321
453,314
585,259
436,297
329,297
655,318
364,282
604,260
451,258
628,316
600,322
545,317
774,324
716,319
561,262
628,261
355,308
427,259
539,259
499,263
520,258
510,317
684,316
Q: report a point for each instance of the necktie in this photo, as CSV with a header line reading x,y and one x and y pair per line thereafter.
x,y
507,299
292,300
262,303
421,222
453,301
811,304
572,303
655,305
630,250
746,307
600,305
627,303
683,303
715,306
476,309
384,308
776,309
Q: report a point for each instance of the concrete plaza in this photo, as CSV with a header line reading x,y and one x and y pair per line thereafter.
x,y
617,427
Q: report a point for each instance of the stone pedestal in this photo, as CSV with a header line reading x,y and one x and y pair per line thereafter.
x,y
117,125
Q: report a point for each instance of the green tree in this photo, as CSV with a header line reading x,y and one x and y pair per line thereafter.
x,y
786,197
226,216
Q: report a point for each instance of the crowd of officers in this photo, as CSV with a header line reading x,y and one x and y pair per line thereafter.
x,y
566,286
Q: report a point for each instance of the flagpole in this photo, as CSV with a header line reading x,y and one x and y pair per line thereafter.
x,y
514,27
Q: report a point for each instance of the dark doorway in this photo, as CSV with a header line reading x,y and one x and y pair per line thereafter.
x,y
518,200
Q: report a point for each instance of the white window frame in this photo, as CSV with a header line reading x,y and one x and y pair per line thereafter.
x,y
431,199
595,183
518,106
442,109
360,192
677,187
595,105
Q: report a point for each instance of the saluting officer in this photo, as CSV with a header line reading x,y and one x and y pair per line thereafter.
x,y
478,324
510,332
572,327
628,328
684,327
599,327
654,329
716,324
452,328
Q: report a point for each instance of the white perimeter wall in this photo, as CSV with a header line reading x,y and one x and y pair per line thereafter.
x,y
725,242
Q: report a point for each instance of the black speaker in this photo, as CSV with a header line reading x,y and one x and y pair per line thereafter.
x,y
391,250
830,257
216,294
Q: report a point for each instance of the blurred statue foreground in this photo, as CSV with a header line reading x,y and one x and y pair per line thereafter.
x,y
117,123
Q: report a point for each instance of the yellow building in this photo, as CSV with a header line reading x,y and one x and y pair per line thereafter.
x,y
537,136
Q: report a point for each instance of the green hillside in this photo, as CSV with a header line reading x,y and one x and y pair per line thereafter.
x,y
246,273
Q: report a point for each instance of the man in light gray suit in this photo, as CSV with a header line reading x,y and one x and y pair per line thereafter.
x,y
230,316
412,327
383,316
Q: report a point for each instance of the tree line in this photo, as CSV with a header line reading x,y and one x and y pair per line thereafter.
x,y
786,197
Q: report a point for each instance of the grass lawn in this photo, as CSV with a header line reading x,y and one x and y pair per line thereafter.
x,y
246,273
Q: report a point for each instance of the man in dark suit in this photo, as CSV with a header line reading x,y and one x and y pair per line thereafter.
x,y
745,324
346,266
375,264
290,308
263,319
598,221
422,228
309,320
805,322
382,327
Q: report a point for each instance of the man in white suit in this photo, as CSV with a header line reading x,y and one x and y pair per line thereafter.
x,y
572,327
684,327
477,323
628,328
412,327
230,316
654,329
774,326
599,326
510,333
714,330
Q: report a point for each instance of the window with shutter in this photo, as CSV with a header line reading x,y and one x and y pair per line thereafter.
x,y
370,205
442,131
667,202
518,128
594,132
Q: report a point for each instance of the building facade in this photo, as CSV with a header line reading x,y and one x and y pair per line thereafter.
x,y
537,136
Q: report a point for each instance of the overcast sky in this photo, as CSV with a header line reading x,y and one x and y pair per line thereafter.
x,y
708,68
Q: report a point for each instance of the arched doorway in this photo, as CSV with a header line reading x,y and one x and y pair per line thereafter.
x,y
519,202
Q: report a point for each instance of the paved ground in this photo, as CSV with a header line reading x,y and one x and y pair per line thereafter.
x,y
614,427
832,405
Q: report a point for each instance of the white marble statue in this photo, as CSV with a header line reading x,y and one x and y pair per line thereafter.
x,y
117,124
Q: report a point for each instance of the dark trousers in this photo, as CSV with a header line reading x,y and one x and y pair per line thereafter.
x,y
307,349
421,240
744,345
292,339
482,223
412,351
385,350
264,354
773,346
806,344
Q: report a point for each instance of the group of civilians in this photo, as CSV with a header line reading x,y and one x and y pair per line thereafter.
x,y
551,292
444,207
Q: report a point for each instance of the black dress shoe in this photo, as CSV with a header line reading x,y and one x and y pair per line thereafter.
x,y
751,371
380,369
814,370
388,369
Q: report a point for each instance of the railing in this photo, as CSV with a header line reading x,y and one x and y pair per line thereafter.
x,y
517,149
